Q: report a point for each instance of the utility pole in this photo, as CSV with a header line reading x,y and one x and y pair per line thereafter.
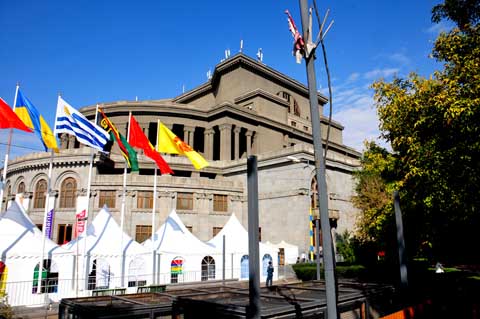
x,y
330,285
402,256
253,309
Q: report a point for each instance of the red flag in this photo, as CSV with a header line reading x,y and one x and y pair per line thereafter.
x,y
8,118
298,43
138,139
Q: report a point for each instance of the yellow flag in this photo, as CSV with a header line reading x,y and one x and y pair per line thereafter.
x,y
171,144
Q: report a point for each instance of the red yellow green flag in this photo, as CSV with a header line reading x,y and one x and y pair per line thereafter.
x,y
127,151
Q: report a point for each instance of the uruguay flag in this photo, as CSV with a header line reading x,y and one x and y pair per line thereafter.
x,y
70,121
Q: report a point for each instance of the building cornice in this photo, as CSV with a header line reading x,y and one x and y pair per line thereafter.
x,y
241,60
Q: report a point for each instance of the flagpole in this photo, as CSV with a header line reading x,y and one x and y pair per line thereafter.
x,y
87,214
154,251
5,166
122,217
47,201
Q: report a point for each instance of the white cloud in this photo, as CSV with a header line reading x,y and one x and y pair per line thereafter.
x,y
401,58
354,108
353,77
380,73
437,28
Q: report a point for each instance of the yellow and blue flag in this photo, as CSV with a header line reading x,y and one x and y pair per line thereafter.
x,y
29,115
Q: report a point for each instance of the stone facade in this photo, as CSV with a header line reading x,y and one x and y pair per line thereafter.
x,y
245,109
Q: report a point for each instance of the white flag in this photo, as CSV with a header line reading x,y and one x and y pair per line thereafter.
x,y
70,121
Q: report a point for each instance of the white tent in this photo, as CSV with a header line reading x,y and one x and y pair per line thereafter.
x,y
182,256
21,248
236,247
290,252
114,259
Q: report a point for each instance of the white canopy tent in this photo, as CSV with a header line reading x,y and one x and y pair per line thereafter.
x,y
111,255
182,256
21,248
236,247
290,252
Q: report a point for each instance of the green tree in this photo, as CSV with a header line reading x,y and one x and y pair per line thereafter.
x,y
433,126
375,184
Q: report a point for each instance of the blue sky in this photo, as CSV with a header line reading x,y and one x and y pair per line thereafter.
x,y
103,51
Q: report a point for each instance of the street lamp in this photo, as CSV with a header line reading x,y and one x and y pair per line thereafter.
x,y
316,221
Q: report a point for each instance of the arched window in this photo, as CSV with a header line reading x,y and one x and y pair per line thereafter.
x,y
99,277
208,268
67,193
266,258
293,105
3,278
176,268
40,194
48,278
21,188
244,267
137,272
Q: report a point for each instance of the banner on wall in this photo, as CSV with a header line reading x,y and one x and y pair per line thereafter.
x,y
49,224
80,223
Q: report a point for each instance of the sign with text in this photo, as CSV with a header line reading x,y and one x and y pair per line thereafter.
x,y
49,224
80,225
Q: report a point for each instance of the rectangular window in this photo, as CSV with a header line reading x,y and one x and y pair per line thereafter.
x,y
185,201
39,226
220,203
64,233
259,233
190,228
145,200
294,124
216,230
107,198
143,232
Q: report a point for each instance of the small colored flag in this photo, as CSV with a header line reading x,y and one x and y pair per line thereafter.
x,y
127,151
49,224
138,139
72,122
29,115
169,143
298,43
8,118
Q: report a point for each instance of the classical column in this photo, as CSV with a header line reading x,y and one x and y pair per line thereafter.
x,y
236,142
63,141
71,141
225,141
188,135
208,143
249,134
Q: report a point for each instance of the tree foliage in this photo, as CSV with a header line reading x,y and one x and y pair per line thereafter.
x,y
462,12
373,191
433,126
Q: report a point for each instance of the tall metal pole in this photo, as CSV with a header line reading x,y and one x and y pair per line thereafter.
x,y
400,241
223,260
253,311
331,288
317,245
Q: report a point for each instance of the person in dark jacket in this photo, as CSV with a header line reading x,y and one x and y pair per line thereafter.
x,y
269,274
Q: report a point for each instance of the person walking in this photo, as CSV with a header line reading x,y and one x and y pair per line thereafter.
x,y
269,274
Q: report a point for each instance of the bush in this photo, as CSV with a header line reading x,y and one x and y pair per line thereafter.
x,y
308,271
6,311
